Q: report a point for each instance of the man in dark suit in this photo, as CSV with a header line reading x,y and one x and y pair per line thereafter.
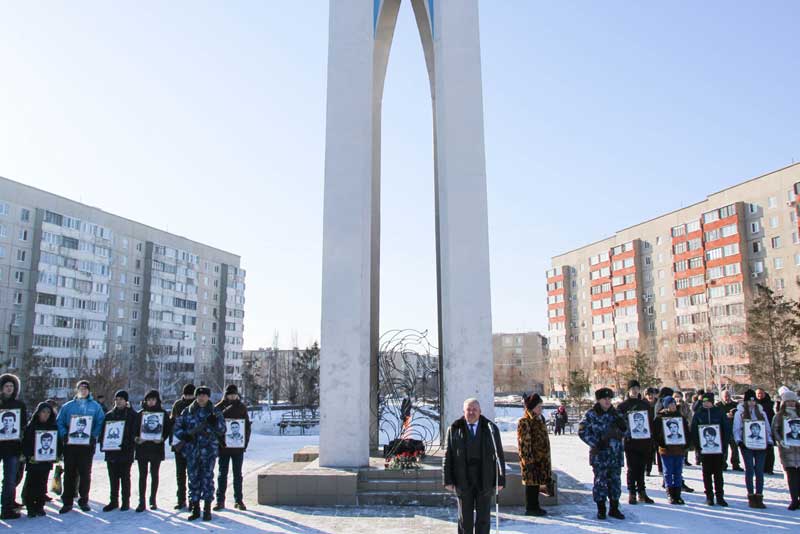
x,y
470,467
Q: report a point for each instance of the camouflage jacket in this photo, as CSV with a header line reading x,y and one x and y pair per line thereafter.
x,y
603,432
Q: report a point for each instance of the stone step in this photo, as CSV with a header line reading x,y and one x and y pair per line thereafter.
x,y
401,484
411,474
405,498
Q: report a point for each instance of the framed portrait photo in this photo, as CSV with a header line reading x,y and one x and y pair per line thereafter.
x,y
755,435
80,430
112,435
639,423
152,426
10,425
44,445
710,439
673,431
791,432
234,433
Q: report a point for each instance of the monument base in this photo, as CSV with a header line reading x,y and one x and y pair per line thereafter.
x,y
304,483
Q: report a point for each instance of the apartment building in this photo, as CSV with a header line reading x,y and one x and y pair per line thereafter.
x,y
78,283
676,287
520,363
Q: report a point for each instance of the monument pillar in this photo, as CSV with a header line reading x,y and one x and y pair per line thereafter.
x,y
360,39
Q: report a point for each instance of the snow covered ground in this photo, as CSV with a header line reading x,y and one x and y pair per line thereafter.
x,y
569,457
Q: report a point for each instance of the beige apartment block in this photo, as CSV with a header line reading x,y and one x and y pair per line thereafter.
x,y
520,363
676,287
78,283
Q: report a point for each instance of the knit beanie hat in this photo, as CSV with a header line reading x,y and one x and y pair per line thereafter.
x,y
231,390
708,397
188,389
666,401
121,394
788,395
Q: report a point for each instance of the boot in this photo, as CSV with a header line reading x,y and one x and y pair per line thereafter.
x,y
195,507
737,467
751,500
240,506
631,497
675,496
759,500
126,505
10,514
686,488
644,498
615,512
110,506
65,509
180,506
219,506
207,511
601,509
141,507
709,499
794,505
153,505
532,506
721,500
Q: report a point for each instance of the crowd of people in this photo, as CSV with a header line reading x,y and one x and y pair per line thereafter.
x,y
196,431
662,427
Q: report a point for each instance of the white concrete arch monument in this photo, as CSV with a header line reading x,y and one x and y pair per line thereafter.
x,y
361,33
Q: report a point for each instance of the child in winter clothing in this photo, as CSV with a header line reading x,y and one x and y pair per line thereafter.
x,y
754,459
708,414
150,452
672,454
118,462
789,454
35,490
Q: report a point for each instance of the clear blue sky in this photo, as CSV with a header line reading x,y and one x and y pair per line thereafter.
x,y
598,115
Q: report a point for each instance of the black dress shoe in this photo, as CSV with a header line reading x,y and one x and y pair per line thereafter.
x,y
84,507
65,509
240,505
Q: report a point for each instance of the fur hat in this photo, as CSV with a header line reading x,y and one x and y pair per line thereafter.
x,y
603,393
533,401
203,390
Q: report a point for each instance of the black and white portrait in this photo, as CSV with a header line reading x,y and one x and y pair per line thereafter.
x,y
10,425
44,446
80,430
755,436
710,439
791,432
639,424
234,435
112,435
152,426
673,431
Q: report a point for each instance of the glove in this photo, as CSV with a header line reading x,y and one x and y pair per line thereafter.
x,y
211,419
614,433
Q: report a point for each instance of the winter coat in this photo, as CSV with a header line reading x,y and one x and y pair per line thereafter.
x,y
234,410
768,406
152,450
13,447
604,432
660,438
738,426
177,409
725,408
125,454
29,441
709,416
790,456
76,406
637,405
454,464
561,417
534,450
204,443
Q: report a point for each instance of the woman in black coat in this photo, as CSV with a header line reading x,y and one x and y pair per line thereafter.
x,y
119,459
152,430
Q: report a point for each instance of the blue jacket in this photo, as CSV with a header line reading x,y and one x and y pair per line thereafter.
x,y
603,432
204,443
76,406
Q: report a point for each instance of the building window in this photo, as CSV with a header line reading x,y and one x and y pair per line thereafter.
x,y
3,208
779,285
21,255
756,247
772,202
120,313
776,242
18,297
778,263
23,234
136,297
24,214
135,315
755,227
773,221
19,277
